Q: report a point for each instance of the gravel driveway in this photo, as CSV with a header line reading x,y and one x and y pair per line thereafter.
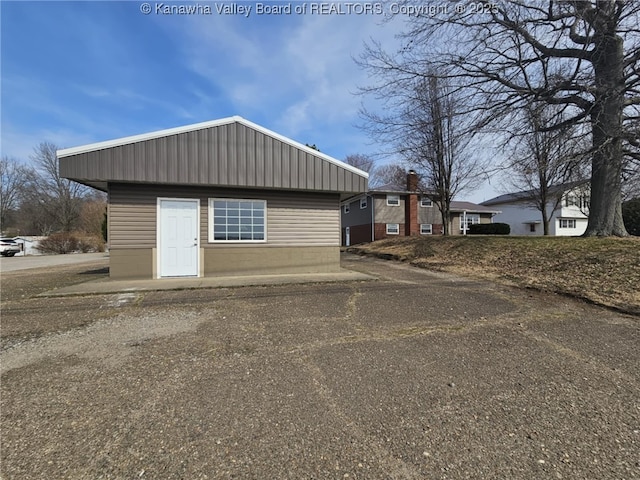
x,y
413,376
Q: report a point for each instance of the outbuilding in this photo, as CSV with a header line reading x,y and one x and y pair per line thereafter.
x,y
226,197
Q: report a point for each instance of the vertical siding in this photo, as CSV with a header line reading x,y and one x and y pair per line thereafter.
x,y
229,155
293,218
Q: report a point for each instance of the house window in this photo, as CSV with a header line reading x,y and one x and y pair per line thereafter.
x,y
363,203
426,229
532,227
393,200
426,202
232,220
393,229
571,201
346,208
472,218
567,223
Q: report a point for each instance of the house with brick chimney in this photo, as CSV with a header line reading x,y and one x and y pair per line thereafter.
x,y
404,210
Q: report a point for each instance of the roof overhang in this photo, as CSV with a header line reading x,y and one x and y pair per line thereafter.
x,y
230,152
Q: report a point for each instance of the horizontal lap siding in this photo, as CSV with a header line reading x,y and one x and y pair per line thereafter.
x,y
298,225
293,218
132,217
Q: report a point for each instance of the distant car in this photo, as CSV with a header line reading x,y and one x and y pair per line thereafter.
x,y
8,247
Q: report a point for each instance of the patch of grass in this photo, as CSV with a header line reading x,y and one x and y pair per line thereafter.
x,y
602,270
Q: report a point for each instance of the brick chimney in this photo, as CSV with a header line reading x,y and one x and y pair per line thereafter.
x,y
411,205
412,181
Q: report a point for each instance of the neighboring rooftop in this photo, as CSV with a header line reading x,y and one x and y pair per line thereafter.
x,y
471,208
529,194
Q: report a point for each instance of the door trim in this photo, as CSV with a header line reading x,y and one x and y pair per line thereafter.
x,y
159,201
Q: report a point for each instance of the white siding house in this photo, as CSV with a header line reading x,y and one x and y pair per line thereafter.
x,y
29,245
566,218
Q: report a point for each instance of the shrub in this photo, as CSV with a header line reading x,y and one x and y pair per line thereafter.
x,y
490,229
90,243
60,243
631,216
65,242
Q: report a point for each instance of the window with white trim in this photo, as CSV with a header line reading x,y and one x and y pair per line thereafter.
x,y
346,208
571,200
567,223
235,220
363,203
426,202
393,200
393,229
472,219
426,229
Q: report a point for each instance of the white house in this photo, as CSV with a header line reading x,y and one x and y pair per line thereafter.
x,y
29,245
567,211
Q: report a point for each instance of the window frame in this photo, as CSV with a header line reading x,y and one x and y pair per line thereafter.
x,y
211,219
363,203
430,232
572,200
389,195
422,199
568,221
397,232
346,208
468,216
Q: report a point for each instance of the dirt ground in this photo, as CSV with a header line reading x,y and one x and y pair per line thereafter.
x,y
605,271
415,375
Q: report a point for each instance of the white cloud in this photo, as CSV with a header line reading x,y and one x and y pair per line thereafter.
x,y
299,74
294,74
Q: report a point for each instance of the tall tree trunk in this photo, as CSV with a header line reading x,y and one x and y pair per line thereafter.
x,y
545,222
445,212
605,209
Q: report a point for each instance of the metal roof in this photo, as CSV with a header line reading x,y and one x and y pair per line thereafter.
x,y
230,152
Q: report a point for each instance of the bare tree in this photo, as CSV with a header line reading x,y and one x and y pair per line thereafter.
x,y
437,145
57,198
366,163
393,174
92,215
582,55
363,162
423,125
544,161
630,181
13,178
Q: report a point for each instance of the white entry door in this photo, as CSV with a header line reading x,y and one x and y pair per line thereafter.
x,y
178,237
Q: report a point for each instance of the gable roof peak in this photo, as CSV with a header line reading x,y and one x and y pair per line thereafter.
x,y
67,152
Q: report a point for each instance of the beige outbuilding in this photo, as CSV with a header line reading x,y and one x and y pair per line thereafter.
x,y
226,197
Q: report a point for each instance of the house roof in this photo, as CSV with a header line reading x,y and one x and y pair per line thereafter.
x,y
390,187
529,194
396,188
455,205
471,208
230,152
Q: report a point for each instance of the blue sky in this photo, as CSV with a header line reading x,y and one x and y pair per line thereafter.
x,y
78,72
